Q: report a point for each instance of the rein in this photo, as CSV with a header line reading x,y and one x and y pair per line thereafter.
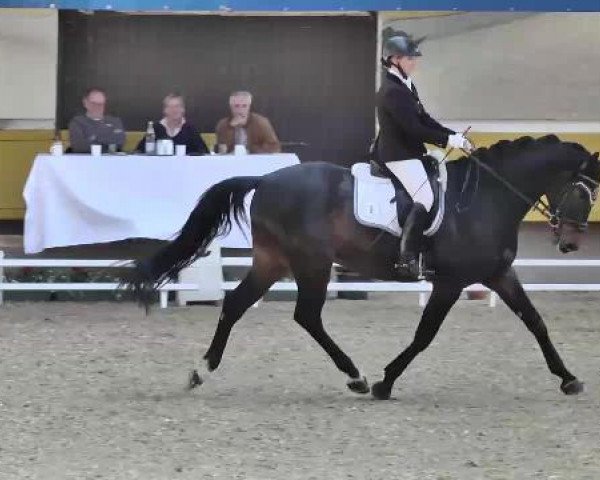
x,y
545,209
553,216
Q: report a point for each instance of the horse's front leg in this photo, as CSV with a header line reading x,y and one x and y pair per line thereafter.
x,y
510,290
442,299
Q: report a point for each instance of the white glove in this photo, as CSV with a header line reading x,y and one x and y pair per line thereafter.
x,y
458,140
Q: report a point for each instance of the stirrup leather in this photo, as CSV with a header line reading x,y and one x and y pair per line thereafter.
x,y
422,274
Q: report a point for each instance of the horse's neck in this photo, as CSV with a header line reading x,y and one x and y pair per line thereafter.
x,y
531,177
534,174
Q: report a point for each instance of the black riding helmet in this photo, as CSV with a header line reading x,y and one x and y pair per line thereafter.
x,y
401,44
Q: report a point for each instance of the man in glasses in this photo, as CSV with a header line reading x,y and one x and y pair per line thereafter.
x,y
95,128
245,128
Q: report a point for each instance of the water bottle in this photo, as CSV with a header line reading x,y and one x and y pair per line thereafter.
x,y
150,139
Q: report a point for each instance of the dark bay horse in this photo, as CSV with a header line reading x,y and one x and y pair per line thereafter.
x,y
302,221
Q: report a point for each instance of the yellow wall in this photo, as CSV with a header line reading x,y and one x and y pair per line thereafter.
x,y
18,148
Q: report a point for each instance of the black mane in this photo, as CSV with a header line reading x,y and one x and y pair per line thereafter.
x,y
499,152
507,148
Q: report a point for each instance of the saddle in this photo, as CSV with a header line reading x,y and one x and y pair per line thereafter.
x,y
375,196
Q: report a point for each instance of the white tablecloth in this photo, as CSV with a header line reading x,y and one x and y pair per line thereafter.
x,y
80,199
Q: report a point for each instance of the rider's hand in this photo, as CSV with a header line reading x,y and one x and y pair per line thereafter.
x,y
238,121
458,140
469,147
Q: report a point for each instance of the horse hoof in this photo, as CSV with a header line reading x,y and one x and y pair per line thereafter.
x,y
358,385
572,387
381,391
212,362
195,380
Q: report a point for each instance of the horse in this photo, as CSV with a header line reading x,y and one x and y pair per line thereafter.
x,y
302,220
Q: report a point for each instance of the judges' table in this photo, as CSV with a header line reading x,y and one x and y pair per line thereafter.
x,y
81,199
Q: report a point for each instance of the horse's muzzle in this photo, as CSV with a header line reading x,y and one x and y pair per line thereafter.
x,y
568,238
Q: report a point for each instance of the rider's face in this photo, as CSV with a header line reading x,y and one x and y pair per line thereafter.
x,y
408,64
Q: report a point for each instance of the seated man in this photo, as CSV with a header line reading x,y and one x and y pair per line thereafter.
x,y
246,128
174,126
95,128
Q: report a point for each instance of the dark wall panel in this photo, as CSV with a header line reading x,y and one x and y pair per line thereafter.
x,y
314,77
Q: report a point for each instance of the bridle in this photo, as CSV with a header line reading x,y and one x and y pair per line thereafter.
x,y
591,194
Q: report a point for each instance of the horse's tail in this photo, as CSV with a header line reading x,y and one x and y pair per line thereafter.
x,y
210,218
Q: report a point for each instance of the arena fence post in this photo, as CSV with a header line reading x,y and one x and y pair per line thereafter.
x,y
1,277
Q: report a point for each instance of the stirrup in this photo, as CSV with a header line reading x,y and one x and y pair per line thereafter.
x,y
419,271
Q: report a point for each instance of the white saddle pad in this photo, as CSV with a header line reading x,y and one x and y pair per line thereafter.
x,y
372,206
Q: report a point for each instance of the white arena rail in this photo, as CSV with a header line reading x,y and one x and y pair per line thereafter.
x,y
375,286
535,262
425,287
88,286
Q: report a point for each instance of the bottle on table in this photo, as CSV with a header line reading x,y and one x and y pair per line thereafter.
x,y
150,139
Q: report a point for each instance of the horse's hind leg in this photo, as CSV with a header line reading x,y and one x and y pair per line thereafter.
x,y
312,276
267,267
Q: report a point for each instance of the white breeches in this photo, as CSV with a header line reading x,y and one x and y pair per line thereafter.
x,y
414,178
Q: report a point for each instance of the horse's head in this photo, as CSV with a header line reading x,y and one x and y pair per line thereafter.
x,y
571,199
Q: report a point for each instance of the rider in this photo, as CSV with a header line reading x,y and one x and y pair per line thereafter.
x,y
404,128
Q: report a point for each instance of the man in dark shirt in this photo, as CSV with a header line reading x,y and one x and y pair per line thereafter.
x,y
95,128
174,126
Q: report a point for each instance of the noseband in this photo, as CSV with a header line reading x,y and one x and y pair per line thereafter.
x,y
591,193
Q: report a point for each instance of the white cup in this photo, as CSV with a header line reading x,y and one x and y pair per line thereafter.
x,y
180,150
96,150
165,146
240,150
56,149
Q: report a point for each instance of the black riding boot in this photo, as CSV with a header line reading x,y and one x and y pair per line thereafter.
x,y
412,236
